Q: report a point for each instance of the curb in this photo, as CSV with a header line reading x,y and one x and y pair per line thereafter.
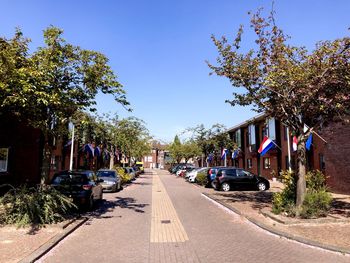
x,y
299,239
45,248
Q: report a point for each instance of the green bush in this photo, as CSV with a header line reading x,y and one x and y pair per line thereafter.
x,y
126,178
316,204
285,201
34,205
317,200
201,178
315,181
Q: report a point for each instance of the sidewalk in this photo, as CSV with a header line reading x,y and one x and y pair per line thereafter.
x,y
332,233
27,244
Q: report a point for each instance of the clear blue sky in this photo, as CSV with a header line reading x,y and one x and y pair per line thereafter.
x,y
158,48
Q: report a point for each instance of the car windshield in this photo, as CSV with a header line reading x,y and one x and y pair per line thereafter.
x,y
106,174
70,178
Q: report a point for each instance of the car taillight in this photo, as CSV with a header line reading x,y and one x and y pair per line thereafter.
x,y
210,171
87,187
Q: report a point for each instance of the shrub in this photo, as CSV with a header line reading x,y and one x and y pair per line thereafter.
x,y
201,178
316,204
315,181
317,200
34,205
126,178
285,201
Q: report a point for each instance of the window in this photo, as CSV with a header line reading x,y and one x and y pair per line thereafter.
x,y
271,123
251,131
322,162
238,138
249,163
267,163
4,155
229,172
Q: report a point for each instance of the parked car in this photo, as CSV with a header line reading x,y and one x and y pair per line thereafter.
x,y
228,178
82,186
182,172
130,171
181,166
193,174
111,180
140,166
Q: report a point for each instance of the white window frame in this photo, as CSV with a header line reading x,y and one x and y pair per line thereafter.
x,y
238,138
7,159
272,128
251,131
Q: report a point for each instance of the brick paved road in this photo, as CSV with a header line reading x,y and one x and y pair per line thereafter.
x,y
171,222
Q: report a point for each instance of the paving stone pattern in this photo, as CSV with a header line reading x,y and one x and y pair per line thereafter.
x,y
120,231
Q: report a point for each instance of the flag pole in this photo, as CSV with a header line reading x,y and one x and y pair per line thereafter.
x,y
276,145
288,143
71,151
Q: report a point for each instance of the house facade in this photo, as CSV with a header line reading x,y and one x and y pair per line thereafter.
x,y
331,154
20,152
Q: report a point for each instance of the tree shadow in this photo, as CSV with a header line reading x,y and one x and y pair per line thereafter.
x,y
259,200
340,208
142,183
107,206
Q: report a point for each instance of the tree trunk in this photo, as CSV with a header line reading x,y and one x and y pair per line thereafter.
x,y
45,167
301,182
111,160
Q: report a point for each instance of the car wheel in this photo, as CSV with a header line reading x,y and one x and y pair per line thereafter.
x,y
261,186
225,187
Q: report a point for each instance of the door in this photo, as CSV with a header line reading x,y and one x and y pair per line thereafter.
x,y
246,179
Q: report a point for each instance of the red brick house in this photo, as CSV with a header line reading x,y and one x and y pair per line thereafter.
x,y
333,157
20,152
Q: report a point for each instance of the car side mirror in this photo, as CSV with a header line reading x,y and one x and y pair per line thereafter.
x,y
99,180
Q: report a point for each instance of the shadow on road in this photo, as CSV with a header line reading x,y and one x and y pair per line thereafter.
x,y
107,206
341,208
259,200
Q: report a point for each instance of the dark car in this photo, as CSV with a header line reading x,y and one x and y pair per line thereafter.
x,y
237,178
111,180
82,186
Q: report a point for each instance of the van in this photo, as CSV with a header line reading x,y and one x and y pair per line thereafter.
x,y
140,166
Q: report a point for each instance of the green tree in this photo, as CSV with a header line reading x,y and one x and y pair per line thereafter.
x,y
190,150
176,150
132,137
45,88
287,82
210,140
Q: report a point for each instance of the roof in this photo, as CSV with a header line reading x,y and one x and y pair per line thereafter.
x,y
247,122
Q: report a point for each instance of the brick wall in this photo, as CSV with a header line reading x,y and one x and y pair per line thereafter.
x,y
337,157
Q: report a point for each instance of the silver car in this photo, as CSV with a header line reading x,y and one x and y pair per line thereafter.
x,y
111,180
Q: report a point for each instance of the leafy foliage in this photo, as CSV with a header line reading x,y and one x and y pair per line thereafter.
x,y
126,178
287,82
316,204
41,205
48,86
317,200
201,178
285,201
186,150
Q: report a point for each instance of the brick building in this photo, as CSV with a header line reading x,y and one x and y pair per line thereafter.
x,y
332,158
20,152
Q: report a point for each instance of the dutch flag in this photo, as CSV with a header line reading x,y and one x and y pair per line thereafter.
x,y
265,146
